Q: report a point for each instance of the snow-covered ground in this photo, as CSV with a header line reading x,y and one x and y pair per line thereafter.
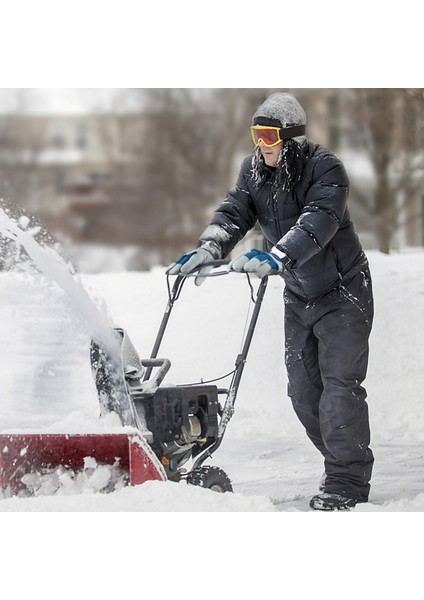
x,y
47,385
261,540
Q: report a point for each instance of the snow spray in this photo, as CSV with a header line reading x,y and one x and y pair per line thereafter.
x,y
53,266
105,353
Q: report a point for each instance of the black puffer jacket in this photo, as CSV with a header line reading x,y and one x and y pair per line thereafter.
x,y
311,223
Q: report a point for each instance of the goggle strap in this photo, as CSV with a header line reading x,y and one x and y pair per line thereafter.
x,y
291,132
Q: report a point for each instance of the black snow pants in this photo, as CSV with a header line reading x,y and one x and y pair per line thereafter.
x,y
326,359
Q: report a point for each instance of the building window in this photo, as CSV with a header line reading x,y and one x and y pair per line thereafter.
x,y
58,138
82,136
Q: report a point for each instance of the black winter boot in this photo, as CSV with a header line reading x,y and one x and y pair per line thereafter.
x,y
327,501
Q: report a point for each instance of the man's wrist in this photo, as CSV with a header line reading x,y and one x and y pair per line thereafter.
x,y
210,247
279,251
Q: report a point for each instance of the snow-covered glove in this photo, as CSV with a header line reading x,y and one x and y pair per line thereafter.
x,y
259,262
190,261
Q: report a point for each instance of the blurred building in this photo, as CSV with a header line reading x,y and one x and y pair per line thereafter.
x,y
61,165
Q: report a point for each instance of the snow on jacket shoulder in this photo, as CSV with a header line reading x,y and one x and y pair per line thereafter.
x,y
311,223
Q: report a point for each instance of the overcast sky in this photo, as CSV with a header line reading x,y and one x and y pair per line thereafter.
x,y
58,100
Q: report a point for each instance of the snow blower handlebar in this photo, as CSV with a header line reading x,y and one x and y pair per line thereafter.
x,y
231,393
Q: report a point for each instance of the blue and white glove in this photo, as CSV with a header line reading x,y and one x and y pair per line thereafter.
x,y
259,262
190,261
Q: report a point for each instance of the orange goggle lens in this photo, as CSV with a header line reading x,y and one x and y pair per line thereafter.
x,y
270,136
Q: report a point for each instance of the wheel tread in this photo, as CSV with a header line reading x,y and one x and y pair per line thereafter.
x,y
210,476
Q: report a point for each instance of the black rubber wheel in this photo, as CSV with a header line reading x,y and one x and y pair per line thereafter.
x,y
211,478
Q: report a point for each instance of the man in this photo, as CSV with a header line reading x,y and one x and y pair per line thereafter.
x,y
297,190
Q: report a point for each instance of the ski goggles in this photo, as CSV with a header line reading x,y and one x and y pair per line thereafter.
x,y
270,136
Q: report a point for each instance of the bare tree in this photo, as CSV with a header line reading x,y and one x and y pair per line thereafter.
x,y
415,93
390,134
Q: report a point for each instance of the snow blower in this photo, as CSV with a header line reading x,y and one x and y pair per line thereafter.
x,y
164,427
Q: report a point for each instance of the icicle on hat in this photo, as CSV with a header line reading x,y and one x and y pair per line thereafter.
x,y
284,111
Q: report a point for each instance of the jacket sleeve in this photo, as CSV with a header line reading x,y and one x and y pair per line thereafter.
x,y
322,214
233,219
